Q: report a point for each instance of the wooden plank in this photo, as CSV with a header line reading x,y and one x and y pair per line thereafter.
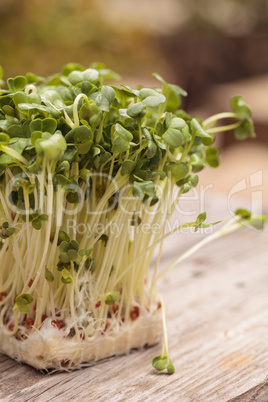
x,y
256,394
217,325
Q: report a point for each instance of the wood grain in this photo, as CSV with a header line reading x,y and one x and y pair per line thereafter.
x,y
218,330
256,394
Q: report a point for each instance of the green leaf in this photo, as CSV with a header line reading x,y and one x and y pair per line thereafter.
x,y
127,167
199,220
101,101
15,131
64,245
19,144
66,276
91,75
74,245
37,224
111,297
75,77
105,239
36,135
161,363
48,125
121,139
79,135
108,93
52,146
245,130
4,139
34,107
140,189
243,213
249,219
134,109
90,264
150,97
172,93
87,252
20,97
69,154
6,231
152,147
48,275
197,163
72,254
212,156
63,237
64,258
33,78
240,108
22,302
90,113
198,131
16,84
7,109
178,170
173,135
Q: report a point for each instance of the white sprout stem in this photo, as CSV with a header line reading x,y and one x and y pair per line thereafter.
x,y
230,227
224,128
14,154
164,324
212,120
27,210
30,89
150,248
75,108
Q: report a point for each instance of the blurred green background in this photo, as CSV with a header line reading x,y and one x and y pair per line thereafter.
x,y
212,48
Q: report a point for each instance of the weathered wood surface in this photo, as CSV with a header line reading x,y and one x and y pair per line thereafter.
x,y
218,332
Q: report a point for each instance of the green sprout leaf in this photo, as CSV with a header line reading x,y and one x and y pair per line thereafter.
x,y
22,303
63,237
66,276
121,139
198,131
52,146
240,108
212,156
172,94
173,136
71,152
4,139
150,97
127,167
6,231
161,363
140,189
245,130
16,84
48,125
249,219
199,220
111,297
48,275
178,170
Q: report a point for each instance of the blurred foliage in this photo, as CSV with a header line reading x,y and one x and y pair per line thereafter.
x,y
41,36
233,17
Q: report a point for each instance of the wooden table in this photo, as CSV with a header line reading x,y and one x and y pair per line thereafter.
x,y
218,332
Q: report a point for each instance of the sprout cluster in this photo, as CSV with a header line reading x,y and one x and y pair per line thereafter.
x,y
83,168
